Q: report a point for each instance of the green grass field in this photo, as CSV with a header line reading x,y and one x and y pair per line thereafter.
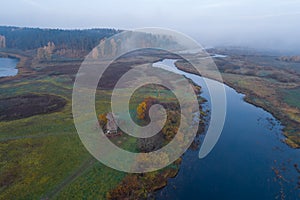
x,y
292,97
42,155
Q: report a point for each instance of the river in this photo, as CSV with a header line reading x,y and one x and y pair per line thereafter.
x,y
8,67
250,161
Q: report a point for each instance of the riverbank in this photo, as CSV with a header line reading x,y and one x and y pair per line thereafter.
x,y
263,93
8,67
292,138
143,186
23,66
249,154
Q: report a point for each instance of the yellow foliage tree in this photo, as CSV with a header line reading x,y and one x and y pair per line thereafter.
x,y
102,120
141,110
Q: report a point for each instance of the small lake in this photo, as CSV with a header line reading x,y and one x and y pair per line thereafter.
x,y
8,67
249,161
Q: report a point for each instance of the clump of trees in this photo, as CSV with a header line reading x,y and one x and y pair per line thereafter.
x,y
289,58
143,108
138,186
153,143
45,53
169,130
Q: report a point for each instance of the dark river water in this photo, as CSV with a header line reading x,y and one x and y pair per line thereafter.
x,y
8,67
250,161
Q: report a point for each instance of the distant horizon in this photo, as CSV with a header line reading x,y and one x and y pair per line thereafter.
x,y
268,24
61,28
258,49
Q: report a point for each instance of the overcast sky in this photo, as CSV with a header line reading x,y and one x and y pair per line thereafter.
x,y
256,23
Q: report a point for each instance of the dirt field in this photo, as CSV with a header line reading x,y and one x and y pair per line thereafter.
x,y
19,107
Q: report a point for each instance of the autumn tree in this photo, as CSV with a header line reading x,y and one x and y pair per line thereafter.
x,y
102,120
141,110
144,107
45,53
2,41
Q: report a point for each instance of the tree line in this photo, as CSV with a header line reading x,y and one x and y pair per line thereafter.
x,y
33,38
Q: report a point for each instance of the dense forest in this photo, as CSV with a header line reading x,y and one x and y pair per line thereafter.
x,y
33,38
49,44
